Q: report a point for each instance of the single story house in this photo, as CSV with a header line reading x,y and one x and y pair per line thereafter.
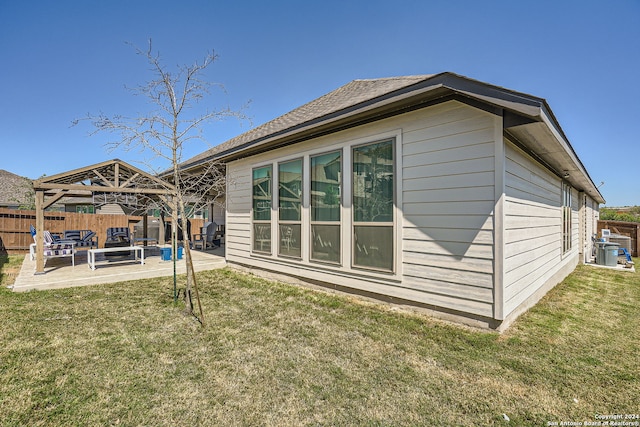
x,y
437,191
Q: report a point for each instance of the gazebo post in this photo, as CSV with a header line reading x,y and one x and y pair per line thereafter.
x,y
161,237
39,232
145,224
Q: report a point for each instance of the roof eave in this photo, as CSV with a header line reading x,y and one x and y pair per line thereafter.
x,y
546,141
537,127
432,87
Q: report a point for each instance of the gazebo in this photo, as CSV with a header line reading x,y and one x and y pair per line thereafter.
x,y
110,177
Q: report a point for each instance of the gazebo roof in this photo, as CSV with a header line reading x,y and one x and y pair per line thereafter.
x,y
113,176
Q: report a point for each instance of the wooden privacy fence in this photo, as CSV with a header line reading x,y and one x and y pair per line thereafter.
x,y
629,229
15,234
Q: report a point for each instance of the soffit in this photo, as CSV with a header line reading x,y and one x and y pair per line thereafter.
x,y
539,139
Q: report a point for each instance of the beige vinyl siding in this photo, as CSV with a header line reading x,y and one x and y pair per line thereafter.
x,y
533,227
238,219
448,201
445,172
110,209
217,212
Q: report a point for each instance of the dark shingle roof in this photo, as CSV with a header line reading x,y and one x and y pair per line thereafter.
x,y
345,97
528,118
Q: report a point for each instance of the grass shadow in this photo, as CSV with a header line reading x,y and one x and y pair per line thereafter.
x,y
3,250
10,265
4,258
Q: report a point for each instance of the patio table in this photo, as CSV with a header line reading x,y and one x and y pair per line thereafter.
x,y
92,253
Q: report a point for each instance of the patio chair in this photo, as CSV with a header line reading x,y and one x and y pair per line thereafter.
x,y
207,236
53,247
48,237
83,238
117,236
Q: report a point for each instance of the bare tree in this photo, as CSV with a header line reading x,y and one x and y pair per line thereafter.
x,y
163,133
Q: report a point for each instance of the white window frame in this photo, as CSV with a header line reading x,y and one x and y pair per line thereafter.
x,y
386,224
338,223
280,223
255,222
345,145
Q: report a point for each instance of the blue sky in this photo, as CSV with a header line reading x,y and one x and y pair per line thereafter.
x,y
63,59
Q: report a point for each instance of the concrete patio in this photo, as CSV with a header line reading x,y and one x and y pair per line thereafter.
x,y
59,273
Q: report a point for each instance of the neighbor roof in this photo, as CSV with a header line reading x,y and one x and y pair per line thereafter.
x,y
14,189
527,119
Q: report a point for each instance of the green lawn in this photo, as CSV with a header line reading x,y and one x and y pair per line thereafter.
x,y
278,355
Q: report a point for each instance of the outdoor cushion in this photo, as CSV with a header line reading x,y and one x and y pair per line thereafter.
x,y
48,238
72,234
118,233
82,238
87,237
58,250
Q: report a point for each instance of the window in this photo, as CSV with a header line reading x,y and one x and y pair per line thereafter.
x,y
290,208
566,217
299,210
85,209
373,206
262,185
326,174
